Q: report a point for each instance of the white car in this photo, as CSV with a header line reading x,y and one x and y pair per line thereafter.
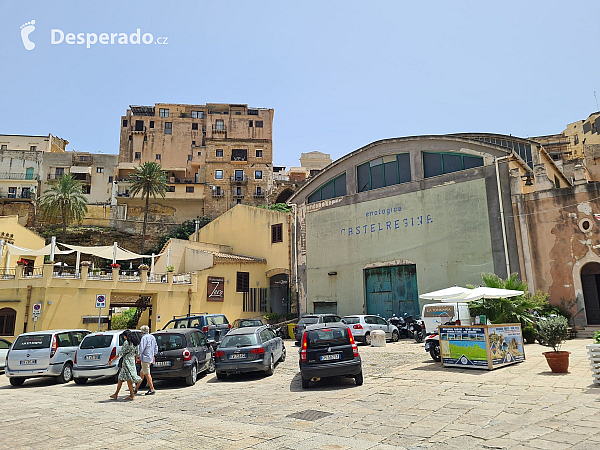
x,y
361,327
4,346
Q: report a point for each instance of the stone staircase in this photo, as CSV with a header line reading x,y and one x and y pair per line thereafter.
x,y
588,332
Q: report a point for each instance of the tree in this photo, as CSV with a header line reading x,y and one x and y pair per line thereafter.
x,y
282,207
64,199
149,179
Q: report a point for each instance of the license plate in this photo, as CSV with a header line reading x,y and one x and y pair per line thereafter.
x,y
427,346
91,357
162,363
330,357
238,356
25,362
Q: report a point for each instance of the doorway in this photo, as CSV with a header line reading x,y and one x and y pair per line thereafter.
x,y
590,282
279,294
392,290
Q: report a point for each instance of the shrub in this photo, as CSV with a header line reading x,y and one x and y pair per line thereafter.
x,y
597,337
170,268
271,316
529,334
554,331
124,320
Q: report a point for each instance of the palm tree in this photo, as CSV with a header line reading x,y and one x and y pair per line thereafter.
x,y
64,199
149,179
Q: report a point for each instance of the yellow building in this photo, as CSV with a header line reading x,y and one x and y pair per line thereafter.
x,y
239,267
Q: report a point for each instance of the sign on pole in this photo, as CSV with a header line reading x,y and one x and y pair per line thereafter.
x,y
100,303
37,312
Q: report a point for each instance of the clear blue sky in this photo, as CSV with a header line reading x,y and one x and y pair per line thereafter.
x,y
339,74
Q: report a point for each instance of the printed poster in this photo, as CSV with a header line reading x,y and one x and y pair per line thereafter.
x,y
506,344
463,347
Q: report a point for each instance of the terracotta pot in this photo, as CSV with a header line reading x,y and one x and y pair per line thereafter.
x,y
558,362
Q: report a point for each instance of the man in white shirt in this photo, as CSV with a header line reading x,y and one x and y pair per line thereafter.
x,y
147,351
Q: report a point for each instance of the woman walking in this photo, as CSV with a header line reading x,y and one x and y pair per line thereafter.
x,y
128,371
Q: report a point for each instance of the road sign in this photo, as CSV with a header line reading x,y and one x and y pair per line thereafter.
x,y
100,301
37,310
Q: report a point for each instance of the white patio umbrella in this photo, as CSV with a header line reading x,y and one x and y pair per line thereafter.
x,y
488,292
452,293
61,264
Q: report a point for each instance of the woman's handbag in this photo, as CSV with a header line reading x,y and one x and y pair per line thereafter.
x,y
120,363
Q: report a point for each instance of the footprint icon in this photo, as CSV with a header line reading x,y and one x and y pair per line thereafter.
x,y
26,30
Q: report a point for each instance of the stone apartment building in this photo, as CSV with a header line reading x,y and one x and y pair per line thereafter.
x,y
215,156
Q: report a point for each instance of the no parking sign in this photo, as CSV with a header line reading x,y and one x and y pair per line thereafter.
x,y
100,301
37,310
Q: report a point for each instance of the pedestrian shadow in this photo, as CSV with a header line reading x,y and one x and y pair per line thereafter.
x,y
324,384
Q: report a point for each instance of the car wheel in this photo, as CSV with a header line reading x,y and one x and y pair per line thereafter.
x,y
190,380
80,380
359,379
283,355
66,375
368,338
271,368
211,365
221,375
17,381
435,353
305,383
395,336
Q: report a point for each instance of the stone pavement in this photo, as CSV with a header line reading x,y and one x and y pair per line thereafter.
x,y
407,401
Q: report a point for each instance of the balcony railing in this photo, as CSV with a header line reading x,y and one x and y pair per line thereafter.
x,y
82,159
238,179
219,129
259,195
238,195
217,195
123,194
178,180
33,272
25,195
18,176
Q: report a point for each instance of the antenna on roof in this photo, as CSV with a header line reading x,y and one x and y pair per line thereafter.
x,y
596,101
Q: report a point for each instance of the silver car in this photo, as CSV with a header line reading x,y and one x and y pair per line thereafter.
x,y
362,326
43,354
4,346
91,358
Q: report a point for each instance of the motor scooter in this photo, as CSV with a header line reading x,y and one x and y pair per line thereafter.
x,y
432,342
418,330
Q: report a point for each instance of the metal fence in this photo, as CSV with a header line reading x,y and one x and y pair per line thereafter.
x,y
34,272
157,278
100,275
182,278
7,274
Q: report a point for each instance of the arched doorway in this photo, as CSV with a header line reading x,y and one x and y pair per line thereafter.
x,y
279,293
590,283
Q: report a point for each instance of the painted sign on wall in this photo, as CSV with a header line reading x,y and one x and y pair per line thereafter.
x,y
215,289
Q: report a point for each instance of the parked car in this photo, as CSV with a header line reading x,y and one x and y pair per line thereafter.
x,y
311,319
249,349
182,353
94,352
214,326
4,346
241,323
43,354
363,325
329,350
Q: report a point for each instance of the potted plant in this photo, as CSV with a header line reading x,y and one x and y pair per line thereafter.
x,y
115,266
554,332
86,263
594,354
143,267
95,270
21,262
529,334
170,268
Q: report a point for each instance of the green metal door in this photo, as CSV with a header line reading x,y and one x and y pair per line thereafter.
x,y
392,290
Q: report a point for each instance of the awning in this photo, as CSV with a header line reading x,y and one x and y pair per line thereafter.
x,y
81,169
107,252
40,252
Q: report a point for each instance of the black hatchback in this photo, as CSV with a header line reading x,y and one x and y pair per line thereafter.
x,y
182,353
329,350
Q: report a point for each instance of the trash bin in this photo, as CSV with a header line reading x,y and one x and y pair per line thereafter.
x,y
291,330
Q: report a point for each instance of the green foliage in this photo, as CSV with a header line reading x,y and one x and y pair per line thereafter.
x,y
183,231
509,310
271,316
124,320
277,207
564,309
554,331
529,334
597,337
170,268
148,180
65,200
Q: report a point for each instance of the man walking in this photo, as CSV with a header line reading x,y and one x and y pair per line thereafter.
x,y
147,351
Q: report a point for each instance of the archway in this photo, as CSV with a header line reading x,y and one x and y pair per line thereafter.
x,y
284,195
590,282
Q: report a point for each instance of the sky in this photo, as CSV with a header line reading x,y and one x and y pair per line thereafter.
x,y
339,74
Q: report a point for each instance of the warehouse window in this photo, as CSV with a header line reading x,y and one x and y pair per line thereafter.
x,y
435,164
381,172
331,189
243,282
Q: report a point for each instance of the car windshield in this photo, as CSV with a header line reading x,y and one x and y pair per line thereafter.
x,y
98,341
308,320
239,340
352,319
32,341
250,323
169,341
327,337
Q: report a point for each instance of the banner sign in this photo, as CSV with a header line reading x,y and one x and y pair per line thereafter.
x,y
215,289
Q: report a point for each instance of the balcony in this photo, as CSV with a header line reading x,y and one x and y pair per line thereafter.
x,y
219,130
216,194
123,194
238,195
23,195
83,159
239,179
18,176
177,180
259,195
